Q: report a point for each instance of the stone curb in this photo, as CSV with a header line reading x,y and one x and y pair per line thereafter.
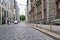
x,y
47,32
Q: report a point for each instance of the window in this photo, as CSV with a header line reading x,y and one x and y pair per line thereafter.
x,y
0,13
58,9
45,4
58,14
58,5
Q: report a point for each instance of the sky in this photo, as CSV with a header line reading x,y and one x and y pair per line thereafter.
x,y
22,7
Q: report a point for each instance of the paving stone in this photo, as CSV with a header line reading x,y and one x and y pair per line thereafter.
x,y
21,31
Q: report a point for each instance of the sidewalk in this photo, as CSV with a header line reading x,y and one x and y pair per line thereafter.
x,y
1,26
54,28
46,29
5,25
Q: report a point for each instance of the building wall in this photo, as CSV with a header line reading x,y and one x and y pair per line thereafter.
x,y
26,16
52,9
46,10
6,11
28,9
58,8
16,11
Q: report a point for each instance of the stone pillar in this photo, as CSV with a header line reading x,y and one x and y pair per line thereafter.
x,y
6,17
42,1
26,14
47,11
1,15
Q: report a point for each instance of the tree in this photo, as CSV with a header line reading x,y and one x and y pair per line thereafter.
x,y
22,17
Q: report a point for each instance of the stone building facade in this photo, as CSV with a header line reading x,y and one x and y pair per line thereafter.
x,y
6,11
46,11
16,8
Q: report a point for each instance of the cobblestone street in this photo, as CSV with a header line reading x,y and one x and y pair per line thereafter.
x,y
21,31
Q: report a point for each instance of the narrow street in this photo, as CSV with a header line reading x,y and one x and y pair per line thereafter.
x,y
21,31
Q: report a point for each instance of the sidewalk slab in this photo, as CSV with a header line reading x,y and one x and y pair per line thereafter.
x,y
54,28
47,32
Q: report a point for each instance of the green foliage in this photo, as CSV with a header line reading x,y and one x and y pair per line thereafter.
x,y
22,17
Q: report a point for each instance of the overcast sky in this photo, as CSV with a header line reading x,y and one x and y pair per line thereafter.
x,y
22,7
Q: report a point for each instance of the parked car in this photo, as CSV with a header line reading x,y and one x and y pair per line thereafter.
x,y
15,22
